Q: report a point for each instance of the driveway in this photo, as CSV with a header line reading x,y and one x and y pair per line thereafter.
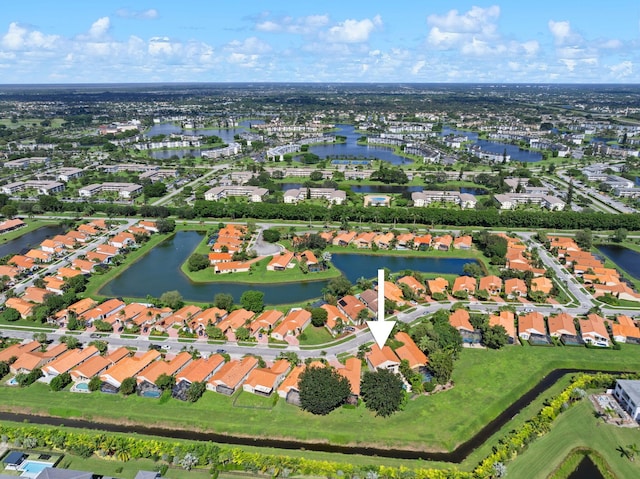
x,y
262,248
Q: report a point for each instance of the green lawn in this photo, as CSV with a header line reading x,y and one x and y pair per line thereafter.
x,y
32,225
316,335
485,383
577,427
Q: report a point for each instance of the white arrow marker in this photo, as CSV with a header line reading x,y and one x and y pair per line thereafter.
x,y
381,329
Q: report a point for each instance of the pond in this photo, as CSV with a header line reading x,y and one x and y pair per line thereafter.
x,y
159,271
495,146
353,150
586,470
625,258
30,240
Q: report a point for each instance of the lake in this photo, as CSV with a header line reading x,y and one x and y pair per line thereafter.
x,y
625,258
352,149
513,151
586,470
159,271
30,240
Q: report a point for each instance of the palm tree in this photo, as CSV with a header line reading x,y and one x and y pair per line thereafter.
x,y
623,452
632,450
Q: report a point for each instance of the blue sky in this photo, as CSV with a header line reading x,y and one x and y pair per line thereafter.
x,y
86,41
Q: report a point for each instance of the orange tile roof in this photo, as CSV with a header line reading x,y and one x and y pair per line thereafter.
x,y
128,367
97,364
265,379
532,323
346,238
351,306
380,357
9,271
53,284
15,350
490,283
233,373
25,308
267,320
83,265
154,370
108,249
291,381
236,319
438,285
280,261
333,315
515,285
200,369
294,320
459,319
22,262
594,324
413,283
393,292
66,273
36,295
352,371
38,254
541,284
70,359
464,283
461,241
561,324
506,319
410,351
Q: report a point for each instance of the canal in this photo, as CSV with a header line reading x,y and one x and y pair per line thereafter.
x,y
159,271
30,240
625,258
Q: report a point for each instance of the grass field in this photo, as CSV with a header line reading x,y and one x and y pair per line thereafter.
x,y
577,427
485,381
32,225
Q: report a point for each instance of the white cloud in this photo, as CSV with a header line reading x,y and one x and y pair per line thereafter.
x,y
300,26
477,20
100,28
149,14
418,66
622,70
561,31
354,31
251,45
21,38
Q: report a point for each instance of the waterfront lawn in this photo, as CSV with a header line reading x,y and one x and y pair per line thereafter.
x,y
486,382
31,225
577,427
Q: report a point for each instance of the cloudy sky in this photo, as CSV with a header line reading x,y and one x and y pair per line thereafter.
x,y
86,41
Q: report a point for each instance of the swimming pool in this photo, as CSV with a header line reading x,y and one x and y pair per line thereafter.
x,y
33,468
82,386
151,394
12,382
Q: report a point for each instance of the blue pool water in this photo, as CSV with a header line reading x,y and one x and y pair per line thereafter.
x,y
82,386
34,467
151,394
12,382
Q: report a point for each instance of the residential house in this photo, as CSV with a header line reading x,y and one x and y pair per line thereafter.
x,y
410,351
364,240
442,243
10,272
515,288
438,285
627,393
281,262
39,256
531,324
625,330
181,318
23,263
25,308
352,370
263,381
384,240
230,376
369,297
463,242
151,226
54,285
83,265
69,360
36,295
16,350
491,284
128,367
541,284
200,370
108,249
67,273
27,362
594,331
507,320
292,325
405,240
393,293
416,286
122,240
561,325
422,242
96,365
334,318
351,307
102,311
232,267
265,322
220,257
464,283
383,358
344,239
236,319
198,321
155,369
460,320
78,308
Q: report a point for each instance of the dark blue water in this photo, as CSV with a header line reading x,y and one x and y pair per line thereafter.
x,y
159,271
352,149
625,258
29,240
586,470
513,151
226,134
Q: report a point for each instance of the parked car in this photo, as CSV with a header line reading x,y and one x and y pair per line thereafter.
x,y
221,351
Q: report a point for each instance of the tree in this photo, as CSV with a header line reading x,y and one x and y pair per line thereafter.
x,y
271,235
620,235
10,315
40,337
60,382
9,211
197,261
95,383
339,286
441,366
71,341
473,269
128,386
195,391
172,299
223,301
322,389
252,300
214,332
584,239
165,381
101,346
495,337
242,334
319,316
382,391
165,225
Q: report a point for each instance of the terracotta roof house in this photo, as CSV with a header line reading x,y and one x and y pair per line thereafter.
x,y
10,225
230,376
36,295
463,242
78,308
23,263
199,321
128,368
464,283
307,257
39,256
364,240
384,240
151,226
369,297
410,351
156,369
532,323
25,308
67,273
78,236
507,320
352,370
515,287
108,249
50,246
83,265
625,330
27,362
220,257
442,243
103,310
98,364
344,239
122,240
263,381
232,267
180,317
594,331
99,224
437,285
16,350
280,262
422,242
266,321
87,229
415,285
290,383
236,319
69,360
561,324
405,240
64,241
491,284
393,293
542,285
54,285
9,271
351,307
459,319
334,316
292,325
200,370
383,358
